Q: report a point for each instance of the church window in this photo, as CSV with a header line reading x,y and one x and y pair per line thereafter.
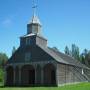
x,y
27,56
28,41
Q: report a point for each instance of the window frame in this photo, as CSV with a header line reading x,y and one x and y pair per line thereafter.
x,y
27,56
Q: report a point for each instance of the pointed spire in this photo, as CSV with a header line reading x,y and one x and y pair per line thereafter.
x,y
35,19
34,25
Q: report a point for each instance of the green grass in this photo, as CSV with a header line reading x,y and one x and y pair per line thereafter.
x,y
81,86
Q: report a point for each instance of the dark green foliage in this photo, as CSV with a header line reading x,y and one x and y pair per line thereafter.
x,y
1,75
74,52
13,50
67,51
87,59
84,57
55,48
3,59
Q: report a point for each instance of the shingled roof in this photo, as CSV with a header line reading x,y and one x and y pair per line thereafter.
x,y
63,58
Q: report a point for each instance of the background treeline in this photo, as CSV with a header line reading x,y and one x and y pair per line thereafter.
x,y
3,60
83,57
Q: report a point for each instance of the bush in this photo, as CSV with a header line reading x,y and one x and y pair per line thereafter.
x,y
1,75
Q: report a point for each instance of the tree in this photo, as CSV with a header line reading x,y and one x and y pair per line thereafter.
x,y
67,50
3,59
13,50
55,48
85,52
87,59
75,52
1,75
82,58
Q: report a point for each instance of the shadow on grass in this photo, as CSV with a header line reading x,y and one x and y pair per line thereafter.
x,y
22,86
33,86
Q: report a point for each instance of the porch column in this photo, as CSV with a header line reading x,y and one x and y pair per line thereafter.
x,y
35,68
14,75
42,77
5,76
19,75
35,76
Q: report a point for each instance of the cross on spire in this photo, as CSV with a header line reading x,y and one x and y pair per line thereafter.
x,y
35,19
34,25
34,7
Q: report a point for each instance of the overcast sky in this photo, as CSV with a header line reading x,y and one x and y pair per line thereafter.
x,y
63,22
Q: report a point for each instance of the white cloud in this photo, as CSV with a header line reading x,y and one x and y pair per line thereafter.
x,y
7,22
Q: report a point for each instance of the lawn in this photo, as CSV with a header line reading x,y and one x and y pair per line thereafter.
x,y
81,86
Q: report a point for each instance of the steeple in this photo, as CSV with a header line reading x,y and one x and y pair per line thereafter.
x,y
33,36
34,25
35,20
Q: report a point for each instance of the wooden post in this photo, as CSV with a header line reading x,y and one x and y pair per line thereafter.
x,y
19,75
14,75
42,77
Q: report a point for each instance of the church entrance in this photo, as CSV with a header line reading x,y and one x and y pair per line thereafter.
x,y
53,79
49,75
28,75
10,76
38,77
31,77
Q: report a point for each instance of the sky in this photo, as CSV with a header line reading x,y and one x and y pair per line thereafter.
x,y
64,22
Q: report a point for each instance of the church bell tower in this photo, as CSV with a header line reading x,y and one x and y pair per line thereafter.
x,y
33,36
34,25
